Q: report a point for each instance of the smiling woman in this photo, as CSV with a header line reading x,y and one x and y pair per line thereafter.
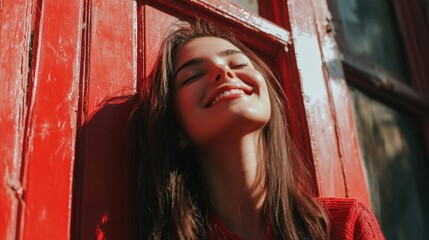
x,y
216,158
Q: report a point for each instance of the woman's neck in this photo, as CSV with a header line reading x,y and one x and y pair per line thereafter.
x,y
236,183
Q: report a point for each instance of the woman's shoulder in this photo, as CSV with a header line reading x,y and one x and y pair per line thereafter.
x,y
350,219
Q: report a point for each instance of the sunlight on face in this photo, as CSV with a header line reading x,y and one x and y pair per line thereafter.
x,y
218,92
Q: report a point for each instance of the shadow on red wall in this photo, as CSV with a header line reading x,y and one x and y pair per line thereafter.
x,y
105,173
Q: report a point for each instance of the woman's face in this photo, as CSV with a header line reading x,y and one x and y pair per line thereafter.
x,y
218,91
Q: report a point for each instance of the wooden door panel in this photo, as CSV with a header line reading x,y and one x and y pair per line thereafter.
x,y
15,29
51,128
347,140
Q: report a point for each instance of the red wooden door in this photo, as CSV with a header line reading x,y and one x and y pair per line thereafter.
x,y
67,153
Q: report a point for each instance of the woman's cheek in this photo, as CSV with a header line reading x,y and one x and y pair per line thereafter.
x,y
252,77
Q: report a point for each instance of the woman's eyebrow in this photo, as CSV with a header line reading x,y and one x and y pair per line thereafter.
x,y
194,61
191,62
228,52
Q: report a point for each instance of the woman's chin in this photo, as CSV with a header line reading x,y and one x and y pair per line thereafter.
x,y
224,128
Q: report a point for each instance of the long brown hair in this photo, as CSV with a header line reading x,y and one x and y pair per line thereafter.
x,y
172,202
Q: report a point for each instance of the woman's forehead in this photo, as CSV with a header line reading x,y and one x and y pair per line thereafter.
x,y
203,47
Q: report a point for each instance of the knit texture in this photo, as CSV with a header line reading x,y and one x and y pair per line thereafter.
x,y
349,219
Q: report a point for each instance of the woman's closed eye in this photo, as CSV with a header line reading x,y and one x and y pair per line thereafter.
x,y
239,65
193,78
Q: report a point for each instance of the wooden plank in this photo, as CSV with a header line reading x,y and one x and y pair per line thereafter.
x,y
15,32
230,15
346,135
315,94
52,123
105,181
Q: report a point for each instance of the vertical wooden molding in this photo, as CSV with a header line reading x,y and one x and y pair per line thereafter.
x,y
51,128
82,116
15,39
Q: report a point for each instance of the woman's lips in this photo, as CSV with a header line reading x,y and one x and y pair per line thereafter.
x,y
227,93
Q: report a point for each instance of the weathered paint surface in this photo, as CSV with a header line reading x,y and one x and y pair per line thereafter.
x,y
346,137
318,109
15,30
51,128
52,123
104,180
228,14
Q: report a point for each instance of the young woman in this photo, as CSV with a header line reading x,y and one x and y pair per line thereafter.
x,y
217,161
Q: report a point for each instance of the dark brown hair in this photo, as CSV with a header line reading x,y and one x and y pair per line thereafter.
x,y
172,203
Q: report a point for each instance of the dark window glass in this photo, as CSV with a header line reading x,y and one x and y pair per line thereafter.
x,y
392,146
371,32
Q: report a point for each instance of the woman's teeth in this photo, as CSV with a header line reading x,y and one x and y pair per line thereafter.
x,y
226,93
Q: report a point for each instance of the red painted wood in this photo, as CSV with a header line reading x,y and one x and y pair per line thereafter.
x,y
242,17
230,15
15,29
52,123
315,94
347,140
156,25
104,179
277,11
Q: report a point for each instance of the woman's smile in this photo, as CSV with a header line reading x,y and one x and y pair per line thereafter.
x,y
227,95
228,92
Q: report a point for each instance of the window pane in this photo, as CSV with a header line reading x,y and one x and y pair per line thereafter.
x,y
250,5
392,146
372,33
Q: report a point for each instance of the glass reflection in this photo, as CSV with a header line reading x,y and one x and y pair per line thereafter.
x,y
371,32
391,144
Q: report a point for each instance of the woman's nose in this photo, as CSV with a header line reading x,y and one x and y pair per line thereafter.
x,y
223,73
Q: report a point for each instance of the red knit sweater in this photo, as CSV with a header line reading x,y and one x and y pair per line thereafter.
x,y
349,219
